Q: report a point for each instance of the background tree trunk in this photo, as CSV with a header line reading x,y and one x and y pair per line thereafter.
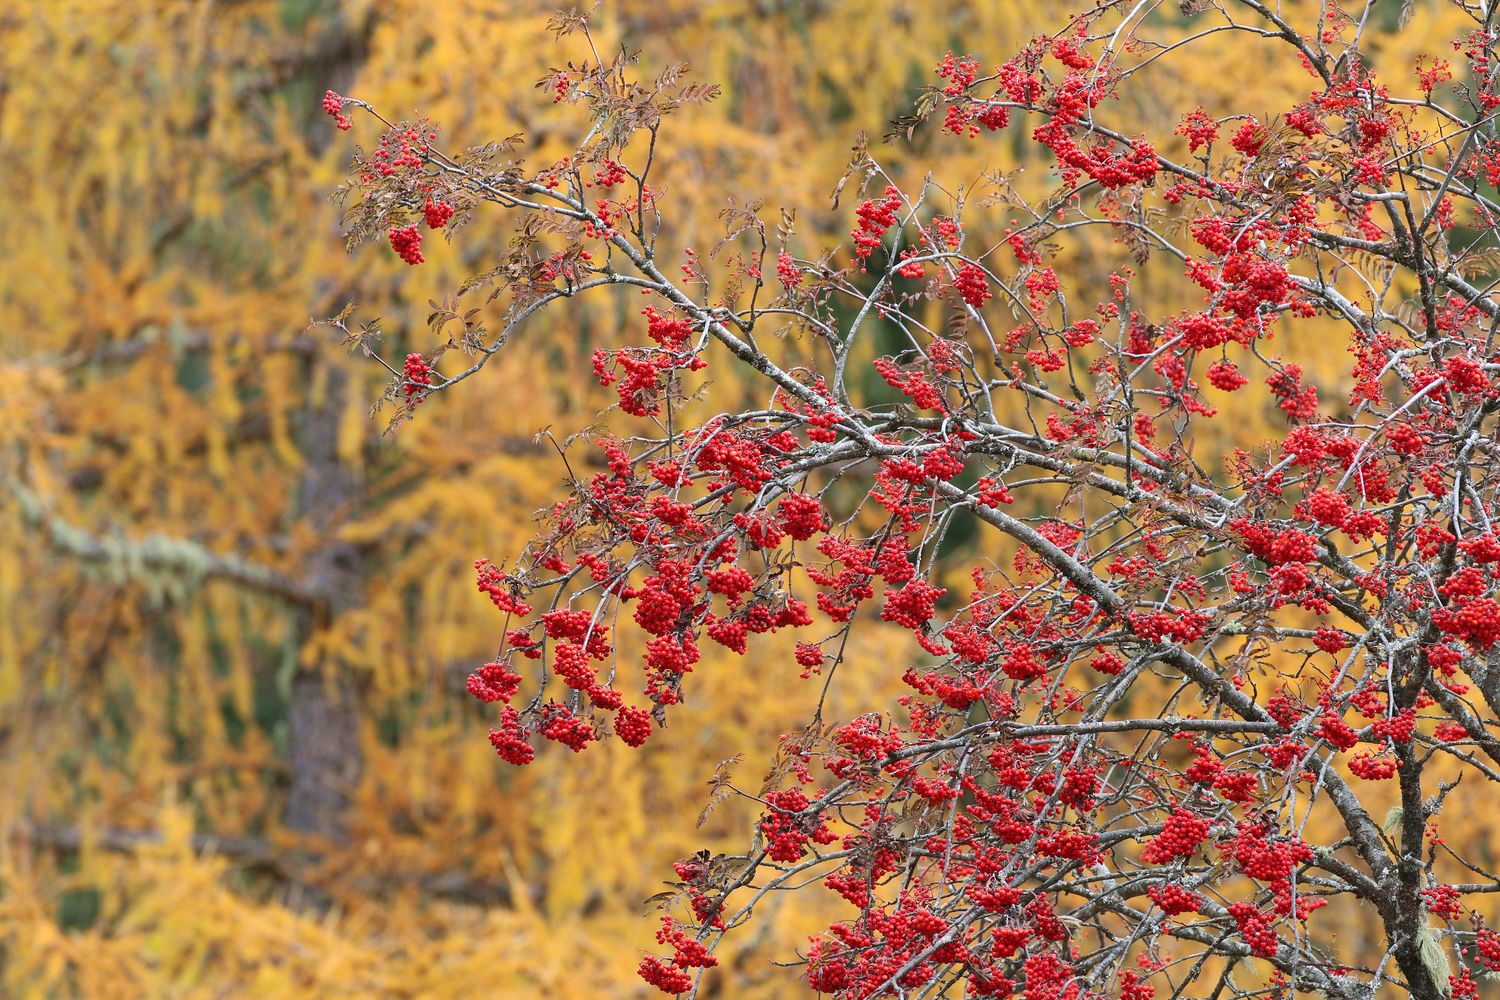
x,y
324,753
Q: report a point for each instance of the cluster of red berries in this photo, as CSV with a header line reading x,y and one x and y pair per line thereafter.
x,y
959,72
875,218
407,242
1444,901
610,173
632,725
965,119
1255,929
571,664
1224,375
787,830
663,975
1251,282
333,106
1108,662
964,115
924,395
972,286
801,516
1173,899
1450,732
417,376
509,740
809,656
401,150
437,213
1328,507
1335,730
1476,622
788,271
729,633
1399,728
638,389
1487,949
1137,164
688,952
670,331
1249,138
731,582
1298,401
562,726
1431,537
1207,769
1021,663
1372,767
741,457
992,493
1465,375
942,464
1276,548
1134,987
1040,284
1271,861
1329,639
1199,128
1179,838
493,682
492,580
1178,624
913,605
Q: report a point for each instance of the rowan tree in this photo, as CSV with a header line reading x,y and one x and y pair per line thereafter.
x,y
1131,706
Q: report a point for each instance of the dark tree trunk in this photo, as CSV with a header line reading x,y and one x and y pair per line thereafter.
x,y
326,760
325,755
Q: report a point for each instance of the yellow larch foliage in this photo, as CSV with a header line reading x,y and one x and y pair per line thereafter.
x,y
167,431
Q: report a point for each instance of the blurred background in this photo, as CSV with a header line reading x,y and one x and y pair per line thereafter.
x,y
235,617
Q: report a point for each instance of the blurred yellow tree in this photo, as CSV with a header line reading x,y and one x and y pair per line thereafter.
x,y
235,618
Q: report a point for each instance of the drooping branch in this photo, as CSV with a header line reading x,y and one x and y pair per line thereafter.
x,y
167,565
